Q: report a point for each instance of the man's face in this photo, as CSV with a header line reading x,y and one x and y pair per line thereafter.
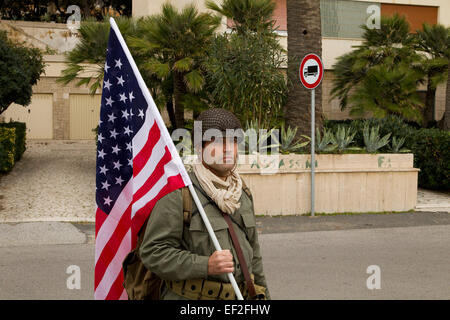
x,y
220,155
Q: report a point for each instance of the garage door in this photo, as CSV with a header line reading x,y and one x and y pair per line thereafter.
x,y
38,116
84,115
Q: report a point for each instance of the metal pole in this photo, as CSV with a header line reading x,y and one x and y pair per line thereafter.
x,y
213,238
312,149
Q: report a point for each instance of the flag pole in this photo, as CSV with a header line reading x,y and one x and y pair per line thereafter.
x,y
213,238
173,150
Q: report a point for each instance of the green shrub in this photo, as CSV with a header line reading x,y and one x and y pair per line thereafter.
x,y
20,137
431,148
7,141
392,124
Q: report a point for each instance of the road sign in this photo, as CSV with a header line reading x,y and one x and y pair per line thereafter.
x,y
311,71
311,74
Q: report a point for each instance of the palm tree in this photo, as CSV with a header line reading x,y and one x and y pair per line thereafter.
x,y
381,75
247,15
173,44
89,54
435,41
304,36
444,123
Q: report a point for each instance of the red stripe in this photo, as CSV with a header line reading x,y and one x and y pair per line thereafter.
x,y
100,217
141,158
173,183
113,244
116,289
157,173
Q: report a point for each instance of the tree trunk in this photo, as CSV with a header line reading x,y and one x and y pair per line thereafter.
x,y
304,36
179,89
86,8
428,112
444,123
171,112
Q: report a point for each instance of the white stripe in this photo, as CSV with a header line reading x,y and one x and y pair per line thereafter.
x,y
141,137
124,295
114,268
170,169
109,225
155,157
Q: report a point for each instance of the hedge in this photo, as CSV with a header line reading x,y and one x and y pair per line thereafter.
x,y
431,148
20,139
7,140
12,144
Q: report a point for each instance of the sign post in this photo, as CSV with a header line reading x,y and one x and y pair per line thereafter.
x,y
311,74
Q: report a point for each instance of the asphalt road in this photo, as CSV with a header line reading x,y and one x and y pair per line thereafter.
x,y
304,258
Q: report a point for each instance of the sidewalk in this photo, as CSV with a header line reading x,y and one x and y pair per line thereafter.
x,y
55,181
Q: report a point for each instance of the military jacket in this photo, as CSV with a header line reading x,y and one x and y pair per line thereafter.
x,y
176,251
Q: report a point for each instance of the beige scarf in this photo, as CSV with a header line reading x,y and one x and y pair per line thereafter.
x,y
226,194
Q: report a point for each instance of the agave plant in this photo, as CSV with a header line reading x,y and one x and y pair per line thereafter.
x,y
327,143
372,139
261,140
396,145
288,144
344,137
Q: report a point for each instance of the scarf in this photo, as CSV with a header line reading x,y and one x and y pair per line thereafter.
x,y
225,193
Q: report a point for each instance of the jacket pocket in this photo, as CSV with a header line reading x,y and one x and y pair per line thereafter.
x,y
201,242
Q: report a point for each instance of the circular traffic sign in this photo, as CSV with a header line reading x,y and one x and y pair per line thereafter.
x,y
311,71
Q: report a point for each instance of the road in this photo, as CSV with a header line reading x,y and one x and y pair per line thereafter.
x,y
321,258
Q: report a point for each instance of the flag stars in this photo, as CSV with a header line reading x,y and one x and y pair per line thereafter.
x,y
120,80
107,201
141,113
100,138
127,130
123,97
130,162
106,67
125,114
101,154
116,149
128,146
113,133
105,185
119,180
103,169
107,85
111,117
118,64
109,101
131,96
117,165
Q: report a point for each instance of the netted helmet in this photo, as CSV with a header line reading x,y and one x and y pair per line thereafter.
x,y
220,119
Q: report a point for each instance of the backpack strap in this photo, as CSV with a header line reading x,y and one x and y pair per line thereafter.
x,y
246,189
187,205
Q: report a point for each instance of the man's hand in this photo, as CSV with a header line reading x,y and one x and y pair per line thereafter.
x,y
220,262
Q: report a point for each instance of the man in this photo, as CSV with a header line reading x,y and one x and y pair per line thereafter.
x,y
183,255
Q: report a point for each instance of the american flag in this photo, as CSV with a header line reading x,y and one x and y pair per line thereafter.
x,y
137,164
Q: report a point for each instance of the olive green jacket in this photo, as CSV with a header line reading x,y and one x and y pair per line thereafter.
x,y
175,251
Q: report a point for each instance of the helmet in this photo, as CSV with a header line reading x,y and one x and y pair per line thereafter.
x,y
220,119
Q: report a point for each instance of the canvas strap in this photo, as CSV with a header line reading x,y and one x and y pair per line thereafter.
x,y
237,247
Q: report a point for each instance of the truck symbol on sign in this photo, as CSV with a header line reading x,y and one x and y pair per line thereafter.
x,y
311,71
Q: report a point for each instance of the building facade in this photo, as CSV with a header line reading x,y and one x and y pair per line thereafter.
x,y
68,112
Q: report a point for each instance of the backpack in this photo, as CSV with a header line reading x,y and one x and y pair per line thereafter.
x,y
139,282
